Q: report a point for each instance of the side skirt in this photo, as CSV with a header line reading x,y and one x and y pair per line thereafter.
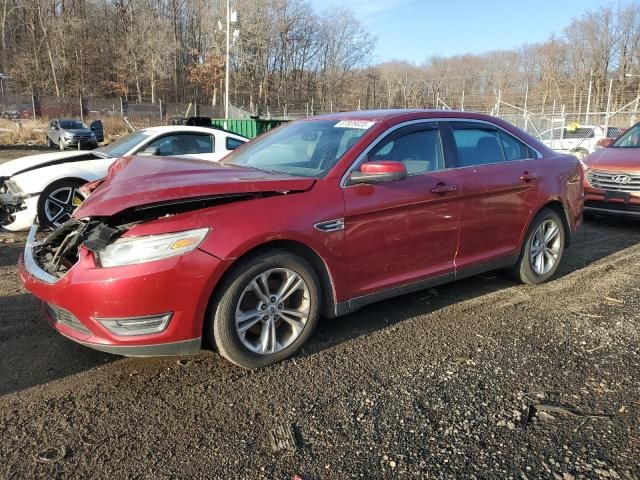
x,y
349,306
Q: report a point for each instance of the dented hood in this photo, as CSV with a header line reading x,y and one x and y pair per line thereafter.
x,y
145,180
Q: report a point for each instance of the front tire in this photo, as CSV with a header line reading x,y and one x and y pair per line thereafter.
x,y
58,201
265,310
542,250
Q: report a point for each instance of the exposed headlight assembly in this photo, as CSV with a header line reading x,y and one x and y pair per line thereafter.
x,y
134,250
13,187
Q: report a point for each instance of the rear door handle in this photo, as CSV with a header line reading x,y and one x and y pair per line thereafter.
x,y
442,188
528,177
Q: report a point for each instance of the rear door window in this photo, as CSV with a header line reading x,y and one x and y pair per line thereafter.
x,y
477,146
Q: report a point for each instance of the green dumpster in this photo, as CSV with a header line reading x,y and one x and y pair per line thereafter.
x,y
249,128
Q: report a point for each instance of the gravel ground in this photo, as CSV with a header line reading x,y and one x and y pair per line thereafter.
x,y
428,385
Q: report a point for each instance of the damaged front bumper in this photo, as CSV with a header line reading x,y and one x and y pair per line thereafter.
x,y
108,308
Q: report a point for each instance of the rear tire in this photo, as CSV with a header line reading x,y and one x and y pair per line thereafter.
x,y
542,249
254,323
50,143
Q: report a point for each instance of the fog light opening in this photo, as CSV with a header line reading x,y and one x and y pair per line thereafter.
x,y
146,325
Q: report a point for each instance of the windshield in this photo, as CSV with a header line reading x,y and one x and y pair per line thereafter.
x,y
306,148
121,146
72,125
631,139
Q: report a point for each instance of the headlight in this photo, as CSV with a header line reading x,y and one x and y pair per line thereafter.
x,y
133,250
584,166
67,135
13,187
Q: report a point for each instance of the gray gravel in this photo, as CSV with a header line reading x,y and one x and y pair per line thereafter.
x,y
428,385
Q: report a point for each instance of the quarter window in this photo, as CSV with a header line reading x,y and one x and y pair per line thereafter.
x,y
233,143
420,151
514,149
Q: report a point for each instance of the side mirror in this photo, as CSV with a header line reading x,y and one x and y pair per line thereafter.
x,y
606,142
150,152
380,171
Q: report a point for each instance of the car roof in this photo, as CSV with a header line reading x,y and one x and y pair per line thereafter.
x,y
398,114
186,128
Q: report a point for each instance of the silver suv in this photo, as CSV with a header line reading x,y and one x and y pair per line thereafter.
x,y
64,133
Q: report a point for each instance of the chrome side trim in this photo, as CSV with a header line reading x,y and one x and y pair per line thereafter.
x,y
361,157
29,262
330,225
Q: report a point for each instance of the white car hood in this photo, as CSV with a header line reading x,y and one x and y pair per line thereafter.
x,y
31,162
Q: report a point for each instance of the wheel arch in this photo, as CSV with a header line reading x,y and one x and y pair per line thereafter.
x,y
327,287
557,206
63,179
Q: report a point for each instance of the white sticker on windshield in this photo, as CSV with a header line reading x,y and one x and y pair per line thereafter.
x,y
359,124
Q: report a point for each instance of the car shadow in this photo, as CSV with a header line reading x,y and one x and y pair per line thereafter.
x,y
33,353
596,240
10,252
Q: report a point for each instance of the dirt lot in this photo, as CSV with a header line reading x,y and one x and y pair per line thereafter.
x,y
429,385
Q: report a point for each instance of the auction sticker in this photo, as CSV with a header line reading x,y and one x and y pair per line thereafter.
x,y
359,124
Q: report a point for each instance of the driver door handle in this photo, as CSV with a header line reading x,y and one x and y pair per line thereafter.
x,y
528,177
442,188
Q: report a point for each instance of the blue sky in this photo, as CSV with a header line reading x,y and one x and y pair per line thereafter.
x,y
417,29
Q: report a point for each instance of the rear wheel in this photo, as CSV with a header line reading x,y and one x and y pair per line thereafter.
x,y
265,310
50,143
542,250
58,201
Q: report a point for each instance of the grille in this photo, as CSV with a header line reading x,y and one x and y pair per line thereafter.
x,y
611,181
66,318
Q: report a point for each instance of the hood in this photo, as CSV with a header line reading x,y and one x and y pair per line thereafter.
x,y
615,159
32,162
146,181
77,131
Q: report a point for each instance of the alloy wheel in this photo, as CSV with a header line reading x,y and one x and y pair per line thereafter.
x,y
60,204
545,247
272,311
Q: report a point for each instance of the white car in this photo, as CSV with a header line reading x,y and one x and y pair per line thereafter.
x,y
578,140
47,185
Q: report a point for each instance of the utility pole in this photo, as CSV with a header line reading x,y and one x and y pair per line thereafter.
x,y
635,108
525,114
586,117
226,69
606,118
232,17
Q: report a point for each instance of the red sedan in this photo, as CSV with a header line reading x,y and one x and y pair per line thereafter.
x,y
319,217
612,177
